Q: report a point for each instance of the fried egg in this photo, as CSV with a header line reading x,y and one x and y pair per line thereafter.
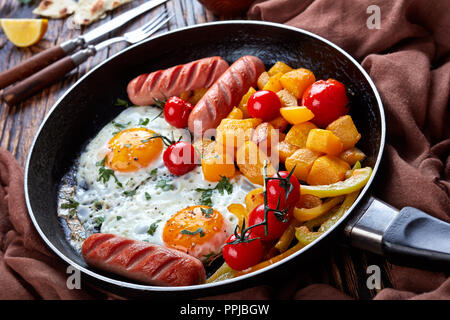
x,y
124,188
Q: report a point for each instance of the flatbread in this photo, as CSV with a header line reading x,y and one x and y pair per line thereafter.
x,y
88,11
55,9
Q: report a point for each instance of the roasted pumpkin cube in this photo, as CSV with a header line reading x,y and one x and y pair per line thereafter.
x,y
303,160
296,114
250,160
236,113
352,155
215,166
274,83
296,81
244,101
325,141
254,198
345,129
287,99
298,134
262,80
327,170
279,123
232,133
285,150
265,136
279,67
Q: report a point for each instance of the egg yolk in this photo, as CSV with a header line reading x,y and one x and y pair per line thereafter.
x,y
197,230
132,149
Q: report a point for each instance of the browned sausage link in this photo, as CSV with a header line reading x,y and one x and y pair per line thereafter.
x,y
163,84
145,262
225,94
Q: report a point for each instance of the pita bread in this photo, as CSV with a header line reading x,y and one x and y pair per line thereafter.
x,y
55,9
88,11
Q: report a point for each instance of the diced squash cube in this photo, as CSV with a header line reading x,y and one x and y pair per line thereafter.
x,y
236,113
244,101
204,146
279,123
296,81
285,150
325,141
274,83
298,134
232,133
250,160
327,170
262,80
279,67
296,115
254,198
287,99
265,136
303,160
216,166
352,155
345,129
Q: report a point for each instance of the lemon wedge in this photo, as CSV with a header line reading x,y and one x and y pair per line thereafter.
x,y
24,32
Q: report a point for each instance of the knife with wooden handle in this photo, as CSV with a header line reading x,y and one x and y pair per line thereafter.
x,y
49,56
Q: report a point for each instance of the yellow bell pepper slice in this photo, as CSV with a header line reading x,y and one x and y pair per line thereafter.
x,y
223,273
239,211
348,202
305,236
304,214
288,235
356,182
295,115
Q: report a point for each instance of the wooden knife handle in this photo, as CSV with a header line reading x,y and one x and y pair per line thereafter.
x,y
30,66
38,81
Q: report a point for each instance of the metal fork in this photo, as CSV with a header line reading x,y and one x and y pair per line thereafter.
x,y
57,70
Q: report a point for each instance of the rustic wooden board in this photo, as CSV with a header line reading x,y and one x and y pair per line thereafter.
x,y
345,268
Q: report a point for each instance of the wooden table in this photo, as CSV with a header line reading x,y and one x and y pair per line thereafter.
x,y
345,269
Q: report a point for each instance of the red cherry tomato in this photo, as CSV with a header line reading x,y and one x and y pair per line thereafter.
x,y
176,112
327,100
276,190
275,227
243,255
264,104
180,158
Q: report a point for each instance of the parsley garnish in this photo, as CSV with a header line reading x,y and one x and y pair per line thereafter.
x,y
153,227
164,185
223,185
193,233
99,221
121,103
207,212
118,218
129,193
104,174
153,173
72,205
147,196
144,122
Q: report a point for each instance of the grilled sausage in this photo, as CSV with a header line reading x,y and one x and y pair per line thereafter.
x,y
142,261
163,84
225,93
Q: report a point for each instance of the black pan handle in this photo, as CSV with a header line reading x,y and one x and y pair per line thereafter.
x,y
408,237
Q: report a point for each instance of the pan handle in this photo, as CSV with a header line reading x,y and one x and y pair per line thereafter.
x,y
408,237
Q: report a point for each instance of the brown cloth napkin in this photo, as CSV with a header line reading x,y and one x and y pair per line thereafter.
x,y
409,60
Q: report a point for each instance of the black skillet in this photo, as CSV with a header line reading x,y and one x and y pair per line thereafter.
x,y
408,236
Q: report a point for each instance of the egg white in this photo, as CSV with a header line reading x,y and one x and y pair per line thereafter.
x,y
140,208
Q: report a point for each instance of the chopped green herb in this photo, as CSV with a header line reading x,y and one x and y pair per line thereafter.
x,y
129,193
153,173
104,174
153,227
207,212
145,140
118,218
205,198
193,233
99,221
72,205
120,126
26,1
164,185
121,103
98,205
147,196
144,122
223,185
209,256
